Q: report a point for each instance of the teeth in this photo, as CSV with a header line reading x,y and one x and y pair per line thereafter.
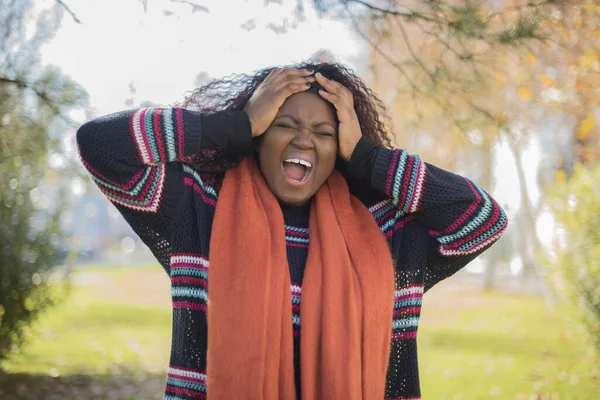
x,y
298,161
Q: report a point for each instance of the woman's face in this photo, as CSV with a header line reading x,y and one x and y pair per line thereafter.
x,y
298,151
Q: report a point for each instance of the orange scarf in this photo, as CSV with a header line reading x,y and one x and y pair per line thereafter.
x,y
347,296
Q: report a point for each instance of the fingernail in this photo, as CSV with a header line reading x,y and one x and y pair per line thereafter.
x,y
319,74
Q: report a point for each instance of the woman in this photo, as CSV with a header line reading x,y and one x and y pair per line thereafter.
x,y
286,178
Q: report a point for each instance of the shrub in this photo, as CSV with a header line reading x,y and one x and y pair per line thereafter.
x,y
575,262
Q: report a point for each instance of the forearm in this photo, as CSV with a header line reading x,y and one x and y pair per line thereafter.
x,y
230,132
461,217
147,137
131,155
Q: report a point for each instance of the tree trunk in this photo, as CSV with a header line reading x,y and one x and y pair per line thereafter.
x,y
491,261
531,241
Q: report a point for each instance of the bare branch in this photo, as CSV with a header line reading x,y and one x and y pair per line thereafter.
x,y
376,48
468,56
68,10
408,14
195,7
441,104
530,4
412,52
41,95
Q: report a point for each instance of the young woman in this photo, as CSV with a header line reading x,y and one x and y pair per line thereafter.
x,y
321,238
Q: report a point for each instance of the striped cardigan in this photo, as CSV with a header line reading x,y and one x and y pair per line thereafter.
x,y
435,223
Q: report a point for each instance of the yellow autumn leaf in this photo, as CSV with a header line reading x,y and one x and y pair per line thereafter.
x,y
456,132
500,78
531,58
564,32
585,128
590,7
589,58
560,176
525,93
547,81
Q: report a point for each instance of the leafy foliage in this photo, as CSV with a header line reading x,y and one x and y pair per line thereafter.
x,y
576,267
32,102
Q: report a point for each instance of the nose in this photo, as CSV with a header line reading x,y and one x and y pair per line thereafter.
x,y
304,139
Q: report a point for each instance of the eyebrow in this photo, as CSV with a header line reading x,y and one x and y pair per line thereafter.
x,y
297,122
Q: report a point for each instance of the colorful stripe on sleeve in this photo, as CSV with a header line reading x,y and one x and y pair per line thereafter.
x,y
158,134
158,137
405,181
479,227
142,193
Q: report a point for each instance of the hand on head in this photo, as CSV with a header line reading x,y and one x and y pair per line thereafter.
x,y
270,95
349,132
280,84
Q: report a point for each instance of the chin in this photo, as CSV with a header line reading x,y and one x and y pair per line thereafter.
x,y
293,199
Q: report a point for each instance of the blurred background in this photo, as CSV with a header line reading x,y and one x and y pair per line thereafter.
x,y
504,92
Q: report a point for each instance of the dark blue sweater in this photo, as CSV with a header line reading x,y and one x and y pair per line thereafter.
x,y
435,223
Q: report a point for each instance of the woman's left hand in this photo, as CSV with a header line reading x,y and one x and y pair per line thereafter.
x,y
349,132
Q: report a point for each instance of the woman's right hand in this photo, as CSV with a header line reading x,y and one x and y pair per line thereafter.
x,y
270,95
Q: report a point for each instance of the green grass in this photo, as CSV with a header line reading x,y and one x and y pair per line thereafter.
x,y
111,339
89,335
476,346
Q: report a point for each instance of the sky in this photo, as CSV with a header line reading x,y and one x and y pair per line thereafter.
x,y
118,44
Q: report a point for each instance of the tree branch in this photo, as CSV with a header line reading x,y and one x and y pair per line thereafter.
x,y
195,7
408,15
415,57
69,11
530,4
468,56
442,105
376,48
41,95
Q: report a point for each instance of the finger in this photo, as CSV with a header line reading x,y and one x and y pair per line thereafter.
x,y
330,85
294,80
296,88
288,73
289,90
272,75
341,106
331,97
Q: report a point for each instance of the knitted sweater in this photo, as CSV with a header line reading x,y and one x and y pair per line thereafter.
x,y
435,223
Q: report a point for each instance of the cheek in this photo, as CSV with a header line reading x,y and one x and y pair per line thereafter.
x,y
271,146
328,156
267,148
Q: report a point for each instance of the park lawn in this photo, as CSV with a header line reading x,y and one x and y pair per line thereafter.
x,y
481,346
111,339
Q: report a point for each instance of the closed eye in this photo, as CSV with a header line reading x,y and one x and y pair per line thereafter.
x,y
286,126
324,133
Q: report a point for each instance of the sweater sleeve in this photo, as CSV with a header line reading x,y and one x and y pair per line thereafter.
x,y
462,220
134,158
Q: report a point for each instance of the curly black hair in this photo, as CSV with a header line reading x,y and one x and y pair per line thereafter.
x,y
233,92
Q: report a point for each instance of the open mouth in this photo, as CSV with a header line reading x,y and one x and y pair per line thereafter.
x,y
296,170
